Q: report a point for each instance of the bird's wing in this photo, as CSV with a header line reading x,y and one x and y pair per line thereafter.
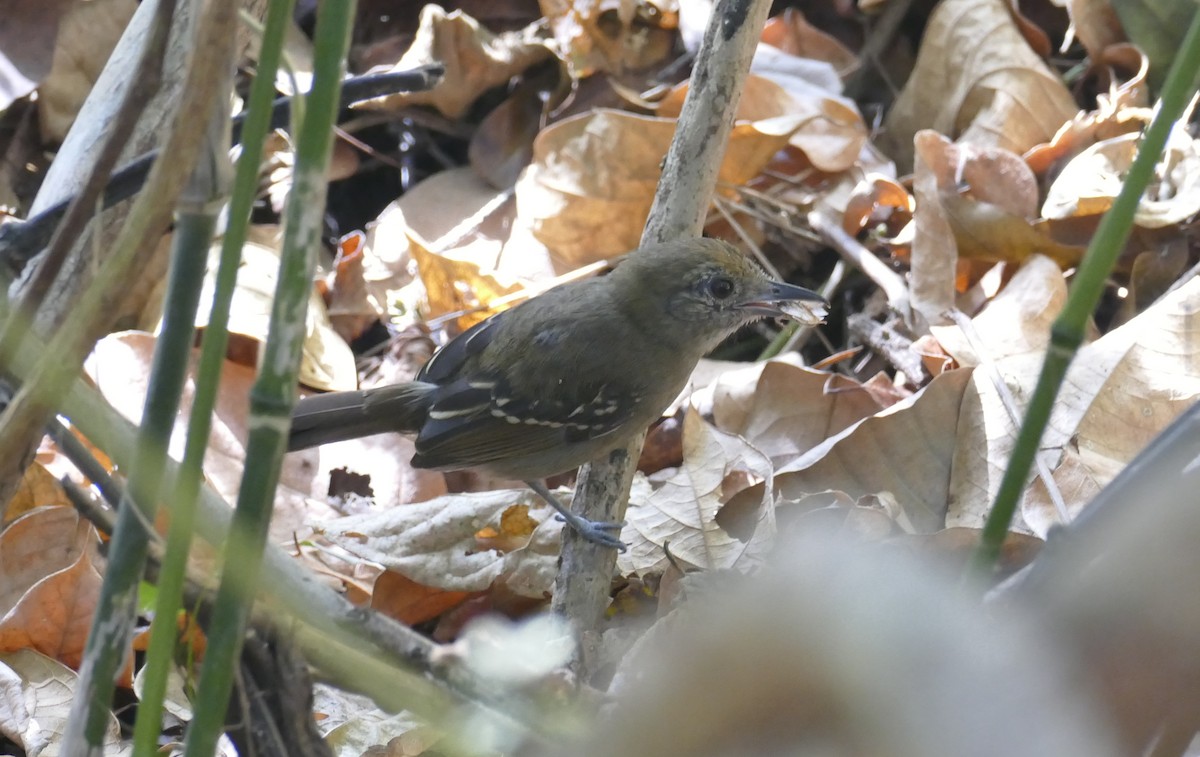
x,y
446,363
483,420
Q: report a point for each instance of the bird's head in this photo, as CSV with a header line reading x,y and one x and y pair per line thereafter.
x,y
697,291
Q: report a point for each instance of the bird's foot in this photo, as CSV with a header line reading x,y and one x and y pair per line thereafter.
x,y
597,532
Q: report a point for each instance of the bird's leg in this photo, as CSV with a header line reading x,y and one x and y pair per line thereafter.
x,y
596,532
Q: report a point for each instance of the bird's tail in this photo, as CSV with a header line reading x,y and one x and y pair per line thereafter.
x,y
337,416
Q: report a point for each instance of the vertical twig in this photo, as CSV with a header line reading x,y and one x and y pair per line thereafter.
x,y
688,179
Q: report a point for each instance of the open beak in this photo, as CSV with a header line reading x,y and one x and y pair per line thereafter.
x,y
789,301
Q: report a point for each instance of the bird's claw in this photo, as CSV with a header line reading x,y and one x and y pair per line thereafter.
x,y
597,532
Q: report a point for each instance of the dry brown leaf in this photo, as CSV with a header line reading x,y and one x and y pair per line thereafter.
x,y
829,130
987,233
1090,182
351,307
681,514
120,365
589,189
50,584
609,35
36,693
39,543
457,285
436,543
86,38
326,362
972,204
475,59
1017,320
458,214
1076,482
977,80
793,34
409,602
1120,391
1096,25
877,199
934,253
1122,110
502,145
905,450
38,488
784,410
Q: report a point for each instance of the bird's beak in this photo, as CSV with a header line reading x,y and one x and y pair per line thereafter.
x,y
789,301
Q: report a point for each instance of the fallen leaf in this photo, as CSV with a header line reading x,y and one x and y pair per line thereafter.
x,y
1090,182
977,80
410,602
784,410
588,191
475,61
51,585
38,488
435,543
36,693
680,513
906,449
596,36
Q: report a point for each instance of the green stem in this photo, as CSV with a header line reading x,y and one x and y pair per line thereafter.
x,y
160,655
274,391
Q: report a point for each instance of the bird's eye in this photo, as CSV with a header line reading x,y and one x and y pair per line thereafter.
x,y
720,287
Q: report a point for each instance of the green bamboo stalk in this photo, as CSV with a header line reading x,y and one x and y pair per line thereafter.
x,y
1066,335
112,625
159,656
274,391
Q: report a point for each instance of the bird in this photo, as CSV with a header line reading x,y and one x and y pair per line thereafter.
x,y
568,375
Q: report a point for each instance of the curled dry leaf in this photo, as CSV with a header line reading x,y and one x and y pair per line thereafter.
x,y
610,35
1096,25
51,585
791,33
829,129
36,692
475,59
1120,391
409,602
877,199
351,306
1090,182
784,410
1017,320
972,203
589,189
681,513
1123,109
455,285
437,543
906,450
1004,96
38,488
